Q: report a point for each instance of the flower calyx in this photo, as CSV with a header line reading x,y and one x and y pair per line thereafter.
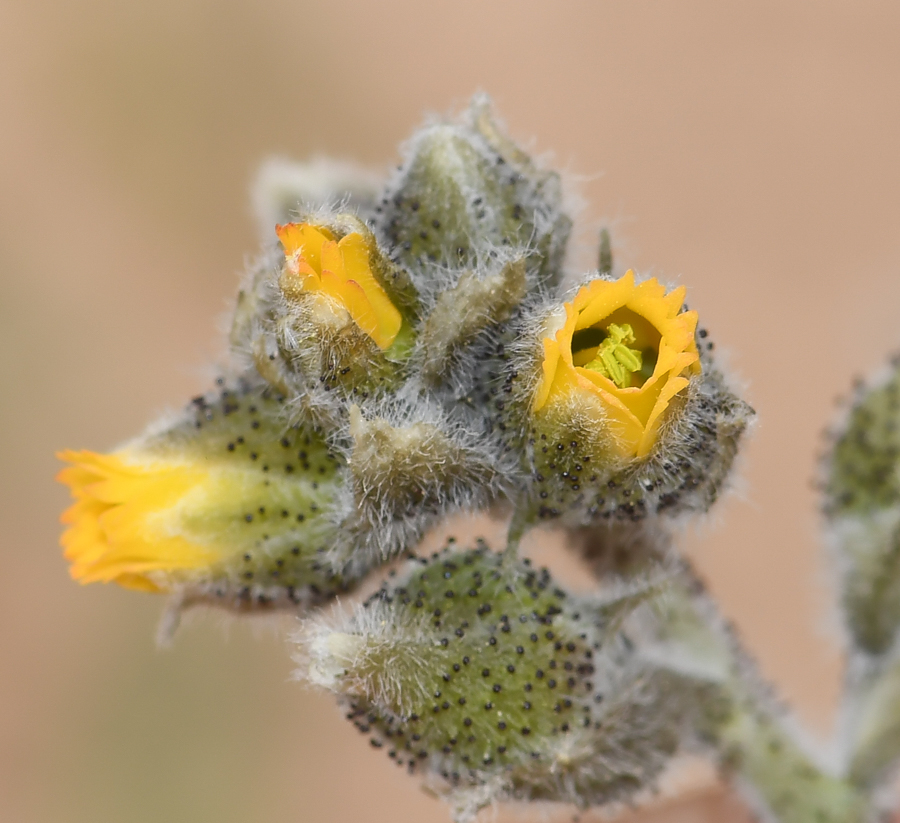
x,y
326,315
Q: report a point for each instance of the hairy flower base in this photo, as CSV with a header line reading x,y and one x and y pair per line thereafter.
x,y
229,496
579,477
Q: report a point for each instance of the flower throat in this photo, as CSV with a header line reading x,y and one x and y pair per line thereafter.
x,y
615,358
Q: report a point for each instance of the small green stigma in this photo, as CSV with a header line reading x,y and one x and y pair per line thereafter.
x,y
614,359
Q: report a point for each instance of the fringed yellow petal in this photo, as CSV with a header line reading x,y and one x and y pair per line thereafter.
x,y
125,524
304,240
601,298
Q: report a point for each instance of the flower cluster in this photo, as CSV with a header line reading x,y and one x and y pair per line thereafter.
x,y
426,357
421,350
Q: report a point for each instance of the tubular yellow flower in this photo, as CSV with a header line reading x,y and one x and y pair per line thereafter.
x,y
626,348
338,270
228,497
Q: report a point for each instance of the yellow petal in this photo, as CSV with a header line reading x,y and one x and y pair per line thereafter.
x,y
121,527
601,298
305,239
315,261
381,317
651,430
548,367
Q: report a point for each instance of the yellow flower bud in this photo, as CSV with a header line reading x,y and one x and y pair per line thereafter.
x,y
339,273
626,350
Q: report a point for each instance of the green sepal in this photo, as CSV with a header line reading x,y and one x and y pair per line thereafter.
x,y
465,310
464,191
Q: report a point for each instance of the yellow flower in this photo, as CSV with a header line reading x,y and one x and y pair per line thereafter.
x,y
125,524
628,350
339,270
226,501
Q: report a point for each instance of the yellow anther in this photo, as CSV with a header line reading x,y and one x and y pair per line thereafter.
x,y
614,359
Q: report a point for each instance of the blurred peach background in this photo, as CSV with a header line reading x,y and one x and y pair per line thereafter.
x,y
748,150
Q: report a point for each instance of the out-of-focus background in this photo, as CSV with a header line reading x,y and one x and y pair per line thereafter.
x,y
747,150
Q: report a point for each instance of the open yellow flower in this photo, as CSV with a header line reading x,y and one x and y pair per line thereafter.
x,y
626,348
339,270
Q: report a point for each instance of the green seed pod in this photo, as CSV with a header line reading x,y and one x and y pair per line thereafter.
x,y
482,675
227,504
465,191
862,504
617,406
862,466
328,318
